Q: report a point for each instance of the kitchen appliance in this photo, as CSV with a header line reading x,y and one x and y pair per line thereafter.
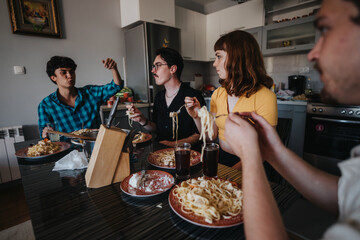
x,y
141,43
331,132
297,83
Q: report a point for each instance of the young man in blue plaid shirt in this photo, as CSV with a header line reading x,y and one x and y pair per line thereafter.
x,y
71,107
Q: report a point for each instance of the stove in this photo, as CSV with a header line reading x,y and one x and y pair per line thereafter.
x,y
331,132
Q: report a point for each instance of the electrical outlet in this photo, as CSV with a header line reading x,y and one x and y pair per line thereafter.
x,y
19,70
304,70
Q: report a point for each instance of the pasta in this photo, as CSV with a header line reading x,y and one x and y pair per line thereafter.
x,y
207,126
167,157
43,147
129,113
139,137
213,199
175,121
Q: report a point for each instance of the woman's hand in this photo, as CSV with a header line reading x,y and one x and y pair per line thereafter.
x,y
192,106
135,114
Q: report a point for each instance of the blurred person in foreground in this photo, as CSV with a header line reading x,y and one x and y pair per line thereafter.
x,y
245,87
337,57
167,68
71,107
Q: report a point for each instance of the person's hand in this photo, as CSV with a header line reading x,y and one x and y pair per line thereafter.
x,y
110,64
240,135
192,106
135,114
168,143
269,140
44,131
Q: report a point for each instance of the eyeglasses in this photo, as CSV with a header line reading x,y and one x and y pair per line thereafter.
x,y
157,65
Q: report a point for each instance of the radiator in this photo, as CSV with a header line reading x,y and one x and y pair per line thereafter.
x,y
9,168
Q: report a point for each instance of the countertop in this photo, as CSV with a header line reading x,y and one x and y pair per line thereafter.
x,y
292,102
61,207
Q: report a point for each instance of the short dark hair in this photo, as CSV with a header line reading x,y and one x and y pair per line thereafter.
x,y
172,57
356,19
59,62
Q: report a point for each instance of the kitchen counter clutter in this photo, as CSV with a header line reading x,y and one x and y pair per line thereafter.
x,y
61,207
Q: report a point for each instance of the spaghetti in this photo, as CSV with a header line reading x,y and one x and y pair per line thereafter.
x,y
207,126
129,114
213,199
175,124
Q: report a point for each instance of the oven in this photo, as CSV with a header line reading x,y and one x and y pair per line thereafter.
x,y
331,132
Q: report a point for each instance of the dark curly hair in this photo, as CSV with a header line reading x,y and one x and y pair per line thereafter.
x,y
172,57
59,62
244,65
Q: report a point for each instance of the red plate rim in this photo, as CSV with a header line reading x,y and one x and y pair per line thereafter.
x,y
200,221
124,185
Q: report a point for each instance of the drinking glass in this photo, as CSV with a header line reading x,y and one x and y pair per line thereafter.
x,y
182,160
210,160
53,137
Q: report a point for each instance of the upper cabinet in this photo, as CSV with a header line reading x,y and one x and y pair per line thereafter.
x,y
243,16
298,35
193,35
155,11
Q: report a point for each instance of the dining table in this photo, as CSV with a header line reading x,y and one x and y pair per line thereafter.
x,y
62,207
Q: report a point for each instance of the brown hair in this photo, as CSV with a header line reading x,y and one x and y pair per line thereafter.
x,y
244,65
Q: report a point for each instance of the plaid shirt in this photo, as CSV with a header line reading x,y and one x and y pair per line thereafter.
x,y
86,110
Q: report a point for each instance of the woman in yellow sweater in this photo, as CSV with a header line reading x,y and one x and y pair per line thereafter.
x,y
245,87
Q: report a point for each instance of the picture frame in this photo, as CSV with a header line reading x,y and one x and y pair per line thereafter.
x,y
35,17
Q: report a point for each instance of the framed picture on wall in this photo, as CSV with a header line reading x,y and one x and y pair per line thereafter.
x,y
35,17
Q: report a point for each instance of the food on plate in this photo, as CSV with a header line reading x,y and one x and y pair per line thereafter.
x,y
82,131
300,97
167,157
139,137
207,126
43,147
213,199
152,182
175,124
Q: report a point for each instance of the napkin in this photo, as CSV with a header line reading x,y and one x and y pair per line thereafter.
x,y
73,160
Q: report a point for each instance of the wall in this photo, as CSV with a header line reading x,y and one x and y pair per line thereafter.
x,y
91,31
279,68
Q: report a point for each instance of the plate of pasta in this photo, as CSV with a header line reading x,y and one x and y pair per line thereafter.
x,y
154,182
141,137
208,202
165,158
43,148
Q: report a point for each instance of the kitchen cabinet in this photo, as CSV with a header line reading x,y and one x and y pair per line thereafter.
x,y
245,16
193,36
155,11
242,16
291,124
257,33
293,36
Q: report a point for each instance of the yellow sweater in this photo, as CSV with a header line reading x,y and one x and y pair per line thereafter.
x,y
263,102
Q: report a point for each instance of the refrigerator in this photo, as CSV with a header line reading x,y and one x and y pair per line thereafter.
x,y
141,43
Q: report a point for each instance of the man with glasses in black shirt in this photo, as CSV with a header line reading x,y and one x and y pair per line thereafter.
x,y
167,68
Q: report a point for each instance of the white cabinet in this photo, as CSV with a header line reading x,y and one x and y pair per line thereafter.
x,y
155,11
212,34
193,39
242,16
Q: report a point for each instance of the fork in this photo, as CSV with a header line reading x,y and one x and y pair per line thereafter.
x,y
178,111
221,115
